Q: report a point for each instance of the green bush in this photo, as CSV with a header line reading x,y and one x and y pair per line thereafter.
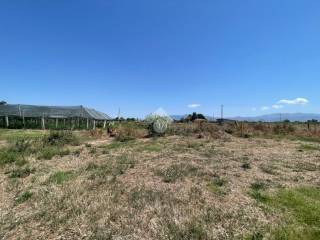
x,y
60,138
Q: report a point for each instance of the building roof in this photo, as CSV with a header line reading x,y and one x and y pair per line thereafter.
x,y
51,111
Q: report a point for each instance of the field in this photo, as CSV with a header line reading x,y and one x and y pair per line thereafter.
x,y
196,182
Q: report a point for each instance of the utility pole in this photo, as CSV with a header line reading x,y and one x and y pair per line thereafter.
x,y
222,112
119,114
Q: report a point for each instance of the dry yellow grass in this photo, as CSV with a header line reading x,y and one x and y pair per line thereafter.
x,y
166,188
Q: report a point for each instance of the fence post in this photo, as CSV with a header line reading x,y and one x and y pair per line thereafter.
x,y
23,121
104,123
57,122
87,123
43,123
7,121
94,124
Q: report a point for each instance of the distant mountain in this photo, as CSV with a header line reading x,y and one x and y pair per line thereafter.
x,y
299,117
178,117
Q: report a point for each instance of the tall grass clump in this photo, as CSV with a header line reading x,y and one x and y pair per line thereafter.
x,y
16,152
126,133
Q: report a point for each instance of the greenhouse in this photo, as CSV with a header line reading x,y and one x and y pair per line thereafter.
x,y
60,117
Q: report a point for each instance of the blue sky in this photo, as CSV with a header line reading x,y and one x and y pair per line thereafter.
x,y
144,54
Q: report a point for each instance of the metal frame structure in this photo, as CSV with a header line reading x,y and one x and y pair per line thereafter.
x,y
60,114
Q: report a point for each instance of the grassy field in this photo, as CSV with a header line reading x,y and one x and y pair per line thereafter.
x,y
182,186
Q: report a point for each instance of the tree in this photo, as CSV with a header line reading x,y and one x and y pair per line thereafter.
x,y
194,116
3,102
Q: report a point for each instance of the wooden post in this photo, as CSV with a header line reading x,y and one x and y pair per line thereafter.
x,y
94,124
23,120
7,121
64,123
43,123
57,122
87,123
104,123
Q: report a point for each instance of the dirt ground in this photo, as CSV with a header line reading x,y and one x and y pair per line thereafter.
x,y
165,188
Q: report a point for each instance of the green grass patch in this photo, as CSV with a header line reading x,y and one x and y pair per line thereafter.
x,y
177,171
195,145
122,164
153,147
117,145
115,167
308,147
305,138
8,156
194,229
139,198
217,185
49,152
12,135
257,191
23,197
60,177
301,209
21,172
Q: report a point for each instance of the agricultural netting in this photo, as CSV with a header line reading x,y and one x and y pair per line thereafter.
x,y
32,111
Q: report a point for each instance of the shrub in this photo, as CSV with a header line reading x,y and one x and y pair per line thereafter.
x,y
22,145
96,133
60,138
246,165
158,124
284,128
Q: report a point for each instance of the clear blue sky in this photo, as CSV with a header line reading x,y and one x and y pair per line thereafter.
x,y
143,54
